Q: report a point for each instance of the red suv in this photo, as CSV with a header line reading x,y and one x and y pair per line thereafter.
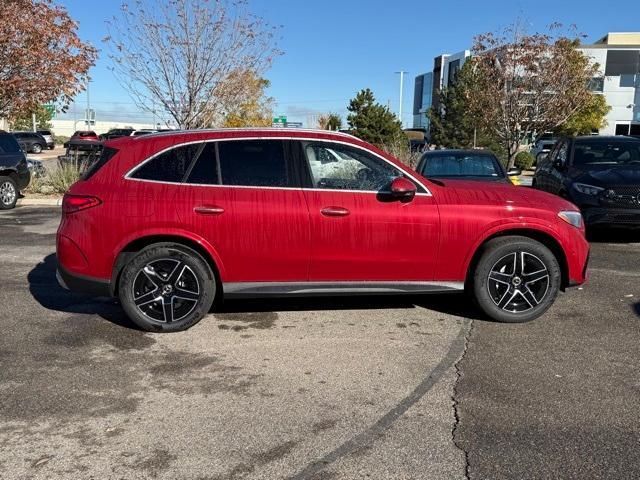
x,y
172,222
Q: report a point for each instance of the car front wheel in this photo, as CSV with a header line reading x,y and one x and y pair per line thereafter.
x,y
36,148
516,279
167,287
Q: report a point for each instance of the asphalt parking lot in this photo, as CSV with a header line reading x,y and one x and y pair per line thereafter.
x,y
383,387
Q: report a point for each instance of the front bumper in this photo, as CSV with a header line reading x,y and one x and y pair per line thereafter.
x,y
598,216
83,284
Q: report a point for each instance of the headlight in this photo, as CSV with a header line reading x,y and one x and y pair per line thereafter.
x,y
587,189
571,217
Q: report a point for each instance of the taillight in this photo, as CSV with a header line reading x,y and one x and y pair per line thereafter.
x,y
75,203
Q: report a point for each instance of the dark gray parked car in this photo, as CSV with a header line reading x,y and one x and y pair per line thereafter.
x,y
31,142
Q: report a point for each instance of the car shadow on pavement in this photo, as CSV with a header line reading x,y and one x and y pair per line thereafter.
x,y
456,304
614,235
45,289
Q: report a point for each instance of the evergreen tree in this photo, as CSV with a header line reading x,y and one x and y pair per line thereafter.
x,y
453,123
372,122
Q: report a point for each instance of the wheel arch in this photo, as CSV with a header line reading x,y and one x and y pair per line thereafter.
x,y
545,238
134,246
9,172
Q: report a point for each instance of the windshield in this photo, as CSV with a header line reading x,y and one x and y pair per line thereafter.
x,y
483,166
606,153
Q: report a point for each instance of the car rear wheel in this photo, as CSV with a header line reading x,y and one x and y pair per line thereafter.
x,y
516,279
36,148
167,287
8,193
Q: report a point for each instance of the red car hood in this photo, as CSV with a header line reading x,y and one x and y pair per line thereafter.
x,y
469,192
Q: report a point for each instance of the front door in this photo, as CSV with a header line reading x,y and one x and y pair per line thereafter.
x,y
358,231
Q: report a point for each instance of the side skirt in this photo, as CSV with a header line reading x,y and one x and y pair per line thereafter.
x,y
308,289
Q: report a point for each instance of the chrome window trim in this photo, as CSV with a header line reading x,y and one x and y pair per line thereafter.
x,y
127,175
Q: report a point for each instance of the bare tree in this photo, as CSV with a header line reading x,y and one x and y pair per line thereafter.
x,y
526,84
329,121
192,57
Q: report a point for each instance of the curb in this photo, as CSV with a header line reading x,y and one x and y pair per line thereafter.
x,y
26,202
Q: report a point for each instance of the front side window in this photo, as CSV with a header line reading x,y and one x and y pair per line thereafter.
x,y
253,163
461,166
340,167
170,166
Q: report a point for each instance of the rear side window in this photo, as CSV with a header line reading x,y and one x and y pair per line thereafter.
x,y
8,144
106,155
253,163
170,166
205,169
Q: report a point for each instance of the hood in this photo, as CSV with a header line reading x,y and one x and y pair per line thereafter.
x,y
607,175
466,192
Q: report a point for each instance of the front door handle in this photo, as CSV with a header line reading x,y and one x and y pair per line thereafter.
x,y
209,210
334,212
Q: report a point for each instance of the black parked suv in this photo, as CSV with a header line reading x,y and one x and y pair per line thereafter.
x,y
14,171
31,142
116,133
601,175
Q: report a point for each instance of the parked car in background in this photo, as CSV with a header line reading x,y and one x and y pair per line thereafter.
x,y
417,138
30,142
81,153
86,135
171,222
542,148
14,170
466,165
48,136
36,167
116,133
601,175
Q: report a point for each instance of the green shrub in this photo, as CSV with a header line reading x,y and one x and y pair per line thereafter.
x,y
63,177
61,139
524,160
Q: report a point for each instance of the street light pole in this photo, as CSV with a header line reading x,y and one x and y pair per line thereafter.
x,y
401,72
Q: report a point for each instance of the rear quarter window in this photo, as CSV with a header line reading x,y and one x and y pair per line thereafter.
x,y
8,144
170,166
106,155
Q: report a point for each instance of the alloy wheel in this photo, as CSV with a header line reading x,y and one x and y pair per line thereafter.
x,y
7,193
166,290
518,282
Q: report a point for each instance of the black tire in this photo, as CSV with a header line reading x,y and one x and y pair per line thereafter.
x,y
525,279
164,281
36,148
9,193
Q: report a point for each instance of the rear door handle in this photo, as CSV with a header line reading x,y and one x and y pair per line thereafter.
x,y
334,212
209,210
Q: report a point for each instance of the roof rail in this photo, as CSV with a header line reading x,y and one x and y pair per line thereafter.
x,y
246,129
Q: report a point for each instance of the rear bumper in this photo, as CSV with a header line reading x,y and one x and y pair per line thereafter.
x,y
83,284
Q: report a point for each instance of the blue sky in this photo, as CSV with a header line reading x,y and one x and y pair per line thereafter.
x,y
333,48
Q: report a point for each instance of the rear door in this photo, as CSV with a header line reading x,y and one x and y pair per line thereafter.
x,y
244,198
358,232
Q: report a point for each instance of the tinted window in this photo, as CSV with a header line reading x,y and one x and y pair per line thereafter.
x,y
106,155
44,132
335,166
606,153
621,62
8,144
255,163
461,166
205,170
170,166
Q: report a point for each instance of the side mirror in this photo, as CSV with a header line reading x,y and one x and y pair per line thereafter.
x,y
403,188
514,172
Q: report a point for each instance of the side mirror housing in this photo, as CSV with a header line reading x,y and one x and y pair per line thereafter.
x,y
514,172
403,188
